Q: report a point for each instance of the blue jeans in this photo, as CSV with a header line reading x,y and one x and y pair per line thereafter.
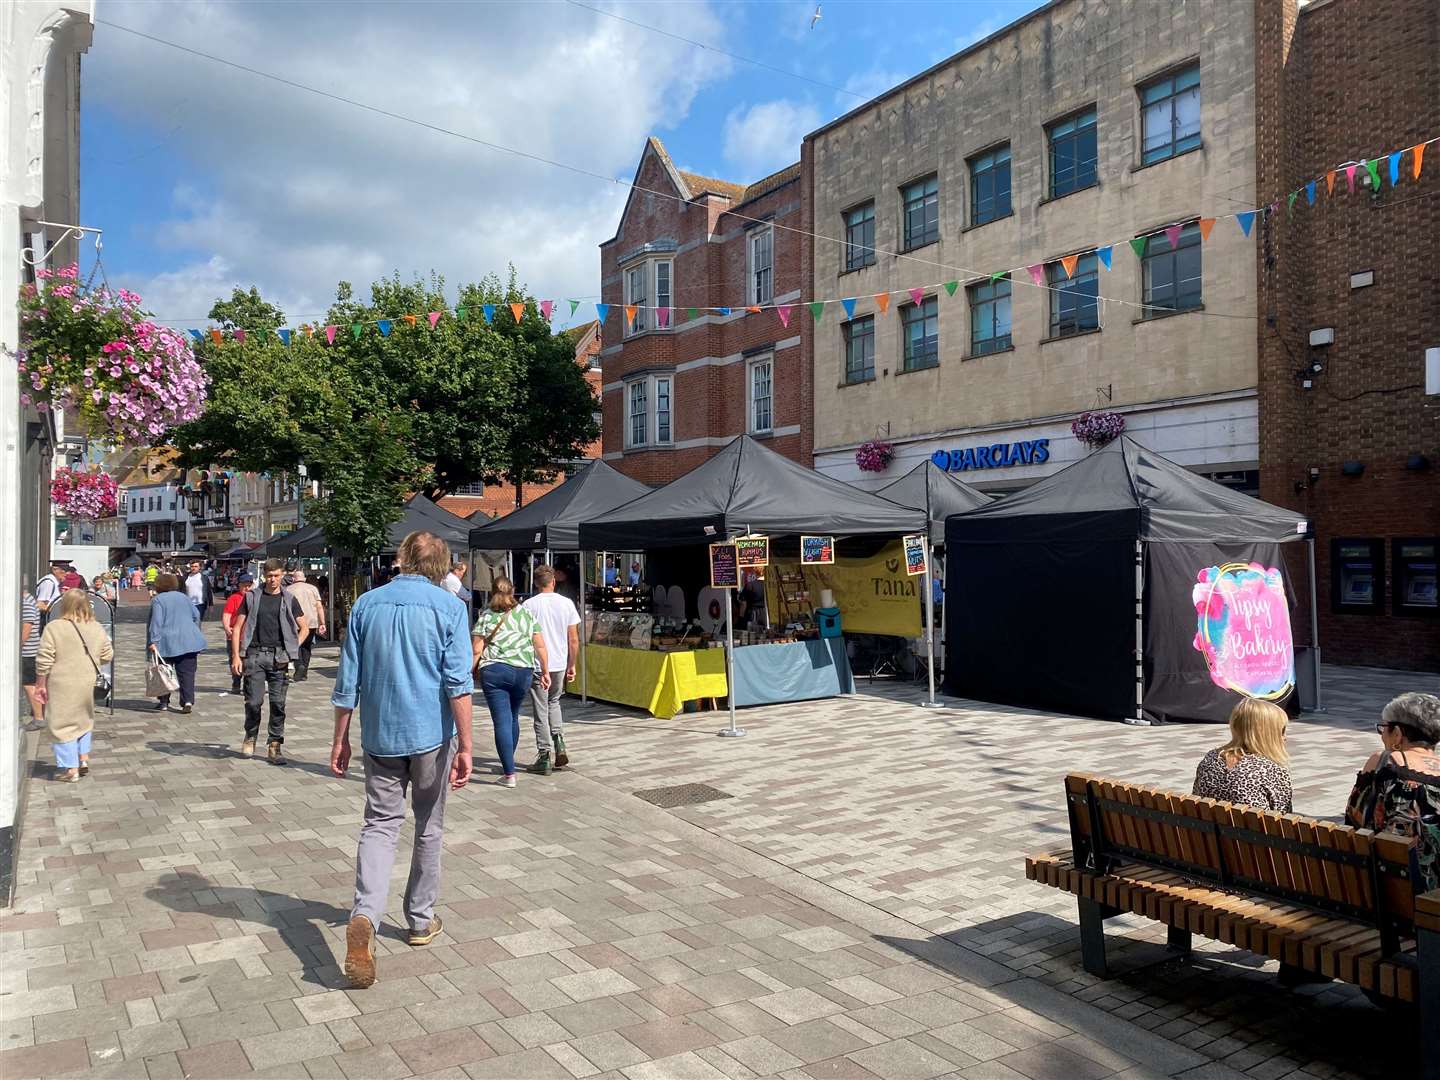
x,y
67,754
505,688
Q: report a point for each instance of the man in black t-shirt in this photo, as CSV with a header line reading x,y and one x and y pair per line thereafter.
x,y
268,631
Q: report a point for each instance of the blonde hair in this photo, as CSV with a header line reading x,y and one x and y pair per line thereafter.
x,y
1257,727
425,554
502,594
75,606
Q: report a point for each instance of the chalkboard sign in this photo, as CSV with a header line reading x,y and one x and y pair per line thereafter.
x,y
752,551
724,570
915,554
817,549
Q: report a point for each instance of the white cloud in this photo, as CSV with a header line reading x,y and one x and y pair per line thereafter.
x,y
297,192
763,138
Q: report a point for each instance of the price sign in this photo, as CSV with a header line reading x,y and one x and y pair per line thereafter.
x,y
916,554
724,569
817,549
752,551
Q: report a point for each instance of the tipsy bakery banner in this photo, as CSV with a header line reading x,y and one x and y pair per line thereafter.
x,y
1244,629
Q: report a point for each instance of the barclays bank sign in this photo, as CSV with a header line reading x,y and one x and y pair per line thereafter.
x,y
997,456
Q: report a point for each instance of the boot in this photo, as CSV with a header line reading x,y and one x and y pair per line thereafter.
x,y
561,757
274,754
540,765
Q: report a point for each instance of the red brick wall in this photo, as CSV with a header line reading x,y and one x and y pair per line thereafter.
x,y
709,401
1351,78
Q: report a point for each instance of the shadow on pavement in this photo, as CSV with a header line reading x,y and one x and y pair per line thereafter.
x,y
222,752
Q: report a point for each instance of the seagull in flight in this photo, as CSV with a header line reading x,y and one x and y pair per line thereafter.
x,y
815,18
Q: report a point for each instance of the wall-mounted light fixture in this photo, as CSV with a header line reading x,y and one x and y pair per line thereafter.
x,y
1416,462
1324,335
1352,468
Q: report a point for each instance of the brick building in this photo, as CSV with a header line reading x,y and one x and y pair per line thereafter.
x,y
678,387
1348,434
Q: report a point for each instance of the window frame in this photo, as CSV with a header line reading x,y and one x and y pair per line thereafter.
x,y
649,271
866,250
631,386
1060,286
925,311
1176,144
761,361
654,387
1074,135
929,204
989,346
848,336
977,173
1190,240
753,292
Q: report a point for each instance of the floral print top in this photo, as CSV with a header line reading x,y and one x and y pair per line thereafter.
x,y
1252,781
1402,795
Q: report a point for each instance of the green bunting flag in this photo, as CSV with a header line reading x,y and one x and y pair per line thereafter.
x,y
998,275
1138,246
573,305
1373,168
691,313
356,329
951,286
1290,205
817,309
460,313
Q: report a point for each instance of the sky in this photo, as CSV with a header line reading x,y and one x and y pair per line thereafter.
x,y
205,178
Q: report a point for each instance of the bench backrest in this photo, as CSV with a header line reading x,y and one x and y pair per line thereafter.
x,y
1349,873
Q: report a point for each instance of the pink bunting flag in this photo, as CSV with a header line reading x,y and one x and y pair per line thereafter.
x,y
1172,234
1350,177
1037,273
547,306
917,295
240,336
662,318
784,312
330,334
434,318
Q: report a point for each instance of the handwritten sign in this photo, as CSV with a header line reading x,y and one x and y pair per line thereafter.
x,y
916,553
752,551
817,549
724,570
1244,629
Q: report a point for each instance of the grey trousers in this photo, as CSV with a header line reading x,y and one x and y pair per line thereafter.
x,y
546,703
427,776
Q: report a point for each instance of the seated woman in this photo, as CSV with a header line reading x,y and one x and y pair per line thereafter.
x,y
1252,768
1398,790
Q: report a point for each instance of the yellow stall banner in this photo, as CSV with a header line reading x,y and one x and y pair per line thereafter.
x,y
875,595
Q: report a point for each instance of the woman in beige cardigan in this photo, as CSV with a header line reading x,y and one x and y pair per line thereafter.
x,y
72,649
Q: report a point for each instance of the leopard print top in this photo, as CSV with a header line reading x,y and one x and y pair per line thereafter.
x,y
1252,781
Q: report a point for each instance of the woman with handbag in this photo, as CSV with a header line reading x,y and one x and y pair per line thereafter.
x,y
509,648
174,636
67,674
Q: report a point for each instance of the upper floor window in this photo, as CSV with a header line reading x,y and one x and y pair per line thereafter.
x,y
1172,274
637,293
1074,301
989,316
859,349
990,185
761,393
921,202
922,334
649,411
1170,114
1073,153
649,285
860,236
761,254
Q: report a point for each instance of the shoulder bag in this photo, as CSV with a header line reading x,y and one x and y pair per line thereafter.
x,y
103,687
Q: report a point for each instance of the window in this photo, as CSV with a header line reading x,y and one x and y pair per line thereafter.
x,y
1357,576
860,237
663,270
922,334
1170,115
662,411
989,316
1074,301
1073,153
762,395
761,244
637,412
644,280
1172,275
649,411
637,293
859,349
990,185
922,212
1415,578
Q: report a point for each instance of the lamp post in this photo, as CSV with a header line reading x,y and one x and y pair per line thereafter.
x,y
300,497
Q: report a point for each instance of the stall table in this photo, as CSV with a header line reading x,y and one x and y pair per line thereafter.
x,y
660,682
791,671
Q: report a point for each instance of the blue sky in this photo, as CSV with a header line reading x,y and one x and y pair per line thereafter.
x,y
204,177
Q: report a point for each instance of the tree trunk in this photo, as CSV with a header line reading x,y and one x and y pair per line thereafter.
x,y
519,492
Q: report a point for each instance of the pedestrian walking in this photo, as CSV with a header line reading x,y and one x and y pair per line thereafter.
x,y
227,620
173,634
455,583
560,625
48,590
198,588
72,648
406,665
268,630
29,649
509,648
309,598
104,588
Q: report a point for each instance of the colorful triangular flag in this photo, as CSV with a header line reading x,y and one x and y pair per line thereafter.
x,y
330,334
691,313
356,329
601,310
546,307
917,296
216,336
783,310
488,310
460,313
410,320
238,335
284,337
1104,254
1373,168
1069,262
1395,167
849,306
383,325
1417,155
998,275
434,318
882,301
1350,177
196,335
573,305
721,310
662,317
752,309
1290,204
630,310
817,309
1330,182
1310,193
1172,235
1246,221
518,310
1037,273
1205,224
951,286
1138,244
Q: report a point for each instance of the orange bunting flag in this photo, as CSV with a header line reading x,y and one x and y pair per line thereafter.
x,y
1330,182
630,310
1069,262
216,336
882,301
1206,224
518,310
309,330
753,309
409,319
1417,155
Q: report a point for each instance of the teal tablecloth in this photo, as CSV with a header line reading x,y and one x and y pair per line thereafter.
x,y
795,671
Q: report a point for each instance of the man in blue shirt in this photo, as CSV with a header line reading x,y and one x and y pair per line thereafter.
x,y
406,664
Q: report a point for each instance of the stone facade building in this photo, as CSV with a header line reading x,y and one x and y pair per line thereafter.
x,y
678,386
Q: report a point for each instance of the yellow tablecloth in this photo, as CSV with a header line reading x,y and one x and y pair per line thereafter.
x,y
660,682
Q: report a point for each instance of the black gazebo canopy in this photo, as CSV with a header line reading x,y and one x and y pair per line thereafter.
x,y
553,520
930,488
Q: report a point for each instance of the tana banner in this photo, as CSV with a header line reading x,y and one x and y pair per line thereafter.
x,y
874,595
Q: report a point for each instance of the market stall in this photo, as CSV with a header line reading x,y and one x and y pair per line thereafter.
x,y
1123,586
709,537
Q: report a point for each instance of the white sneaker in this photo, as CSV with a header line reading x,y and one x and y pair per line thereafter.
x,y
508,780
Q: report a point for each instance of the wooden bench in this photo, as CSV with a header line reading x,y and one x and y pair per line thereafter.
x,y
1327,899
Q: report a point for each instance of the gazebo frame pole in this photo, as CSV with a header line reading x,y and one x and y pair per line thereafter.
x,y
732,731
1314,621
330,594
584,635
1139,719
929,615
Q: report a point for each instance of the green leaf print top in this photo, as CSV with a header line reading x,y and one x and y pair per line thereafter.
x,y
515,642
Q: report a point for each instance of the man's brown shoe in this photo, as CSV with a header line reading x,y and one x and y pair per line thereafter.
x,y
247,748
360,952
273,752
424,937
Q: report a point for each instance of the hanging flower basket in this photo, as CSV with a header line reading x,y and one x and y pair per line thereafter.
x,y
98,356
86,496
1095,429
875,455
